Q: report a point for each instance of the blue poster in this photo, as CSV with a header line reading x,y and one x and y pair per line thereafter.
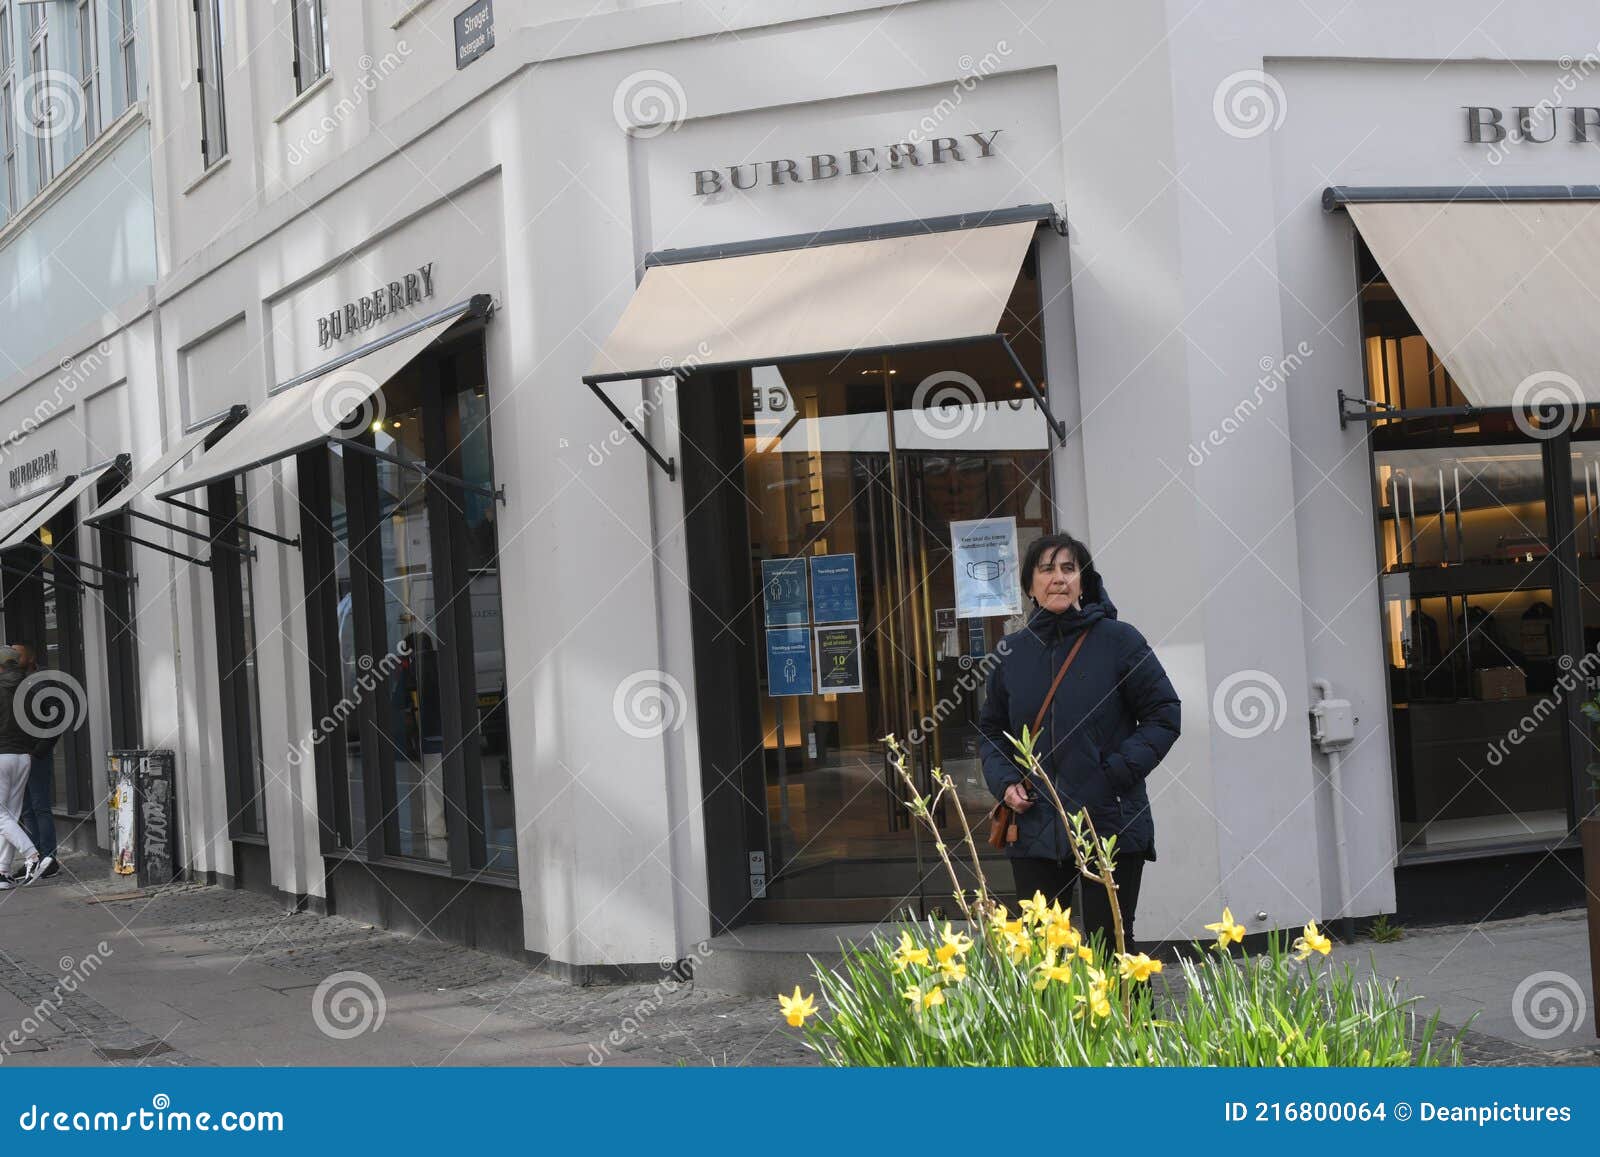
x,y
789,661
977,645
833,588
783,588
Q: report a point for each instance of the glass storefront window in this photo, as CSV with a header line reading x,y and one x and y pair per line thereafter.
x,y
426,760
415,730
1471,601
467,433
237,682
1478,505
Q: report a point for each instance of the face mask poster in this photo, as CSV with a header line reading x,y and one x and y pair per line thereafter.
x,y
984,558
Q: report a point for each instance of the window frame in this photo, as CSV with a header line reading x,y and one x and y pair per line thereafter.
x,y
89,67
461,722
209,48
309,16
118,610
38,64
127,48
238,695
9,185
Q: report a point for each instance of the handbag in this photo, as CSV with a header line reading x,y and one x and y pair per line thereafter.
x,y
1002,819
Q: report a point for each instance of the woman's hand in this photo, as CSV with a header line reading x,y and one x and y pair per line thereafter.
x,y
1017,798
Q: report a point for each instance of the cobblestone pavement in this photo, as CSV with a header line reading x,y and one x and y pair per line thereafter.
x,y
669,1022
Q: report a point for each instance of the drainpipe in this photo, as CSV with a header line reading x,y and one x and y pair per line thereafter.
x,y
1333,729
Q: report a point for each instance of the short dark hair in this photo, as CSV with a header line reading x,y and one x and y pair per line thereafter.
x,y
1048,544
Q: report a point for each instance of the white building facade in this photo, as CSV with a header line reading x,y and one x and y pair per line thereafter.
x,y
466,657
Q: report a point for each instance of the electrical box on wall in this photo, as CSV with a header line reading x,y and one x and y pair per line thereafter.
x,y
1333,724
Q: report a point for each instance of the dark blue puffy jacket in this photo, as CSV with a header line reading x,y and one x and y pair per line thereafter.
x,y
1114,717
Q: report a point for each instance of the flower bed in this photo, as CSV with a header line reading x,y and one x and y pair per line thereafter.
x,y
1025,989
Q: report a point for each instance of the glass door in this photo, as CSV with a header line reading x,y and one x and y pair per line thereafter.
x,y
855,470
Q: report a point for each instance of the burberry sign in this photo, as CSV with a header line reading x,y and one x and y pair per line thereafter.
x,y
366,312
918,154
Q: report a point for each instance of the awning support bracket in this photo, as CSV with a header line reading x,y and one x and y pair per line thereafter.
x,y
74,561
498,493
245,526
1058,428
156,546
670,465
181,529
7,568
1366,410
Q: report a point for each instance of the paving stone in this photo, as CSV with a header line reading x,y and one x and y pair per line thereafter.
x,y
675,1022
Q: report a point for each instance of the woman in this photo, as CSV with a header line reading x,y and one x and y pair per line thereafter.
x,y
1112,719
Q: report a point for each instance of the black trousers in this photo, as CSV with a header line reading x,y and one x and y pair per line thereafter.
x,y
1055,878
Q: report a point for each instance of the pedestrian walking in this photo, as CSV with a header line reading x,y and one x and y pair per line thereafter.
x,y
16,757
38,809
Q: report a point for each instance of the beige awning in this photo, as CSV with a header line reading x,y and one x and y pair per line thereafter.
x,y
151,474
61,500
794,303
1504,291
305,415
17,513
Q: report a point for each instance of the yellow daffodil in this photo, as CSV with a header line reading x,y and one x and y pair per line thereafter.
x,y
959,942
1008,927
1312,941
998,914
1227,929
1049,970
909,952
1085,953
1035,910
1096,999
921,998
1018,946
1137,968
1062,935
796,1008
953,971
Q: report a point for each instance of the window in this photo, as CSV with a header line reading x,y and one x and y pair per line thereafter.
x,y
40,115
310,43
403,602
130,64
89,68
236,659
8,135
117,604
210,36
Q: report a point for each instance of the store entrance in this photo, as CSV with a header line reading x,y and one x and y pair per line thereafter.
x,y
854,559
1489,547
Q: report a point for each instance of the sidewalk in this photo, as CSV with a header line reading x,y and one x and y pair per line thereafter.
x,y
192,975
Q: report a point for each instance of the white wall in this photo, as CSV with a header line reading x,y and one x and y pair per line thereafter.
x,y
1194,256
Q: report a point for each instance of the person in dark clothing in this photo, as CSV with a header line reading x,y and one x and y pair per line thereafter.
x,y
38,814
15,745
1113,718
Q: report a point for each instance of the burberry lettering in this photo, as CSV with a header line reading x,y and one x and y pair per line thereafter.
x,y
365,312
852,163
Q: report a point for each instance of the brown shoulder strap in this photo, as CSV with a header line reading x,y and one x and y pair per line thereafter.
x,y
1038,720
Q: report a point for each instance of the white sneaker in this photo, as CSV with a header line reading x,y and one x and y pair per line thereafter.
x,y
37,868
5,884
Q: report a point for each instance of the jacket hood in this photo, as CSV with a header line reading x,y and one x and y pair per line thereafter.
x,y
1095,605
